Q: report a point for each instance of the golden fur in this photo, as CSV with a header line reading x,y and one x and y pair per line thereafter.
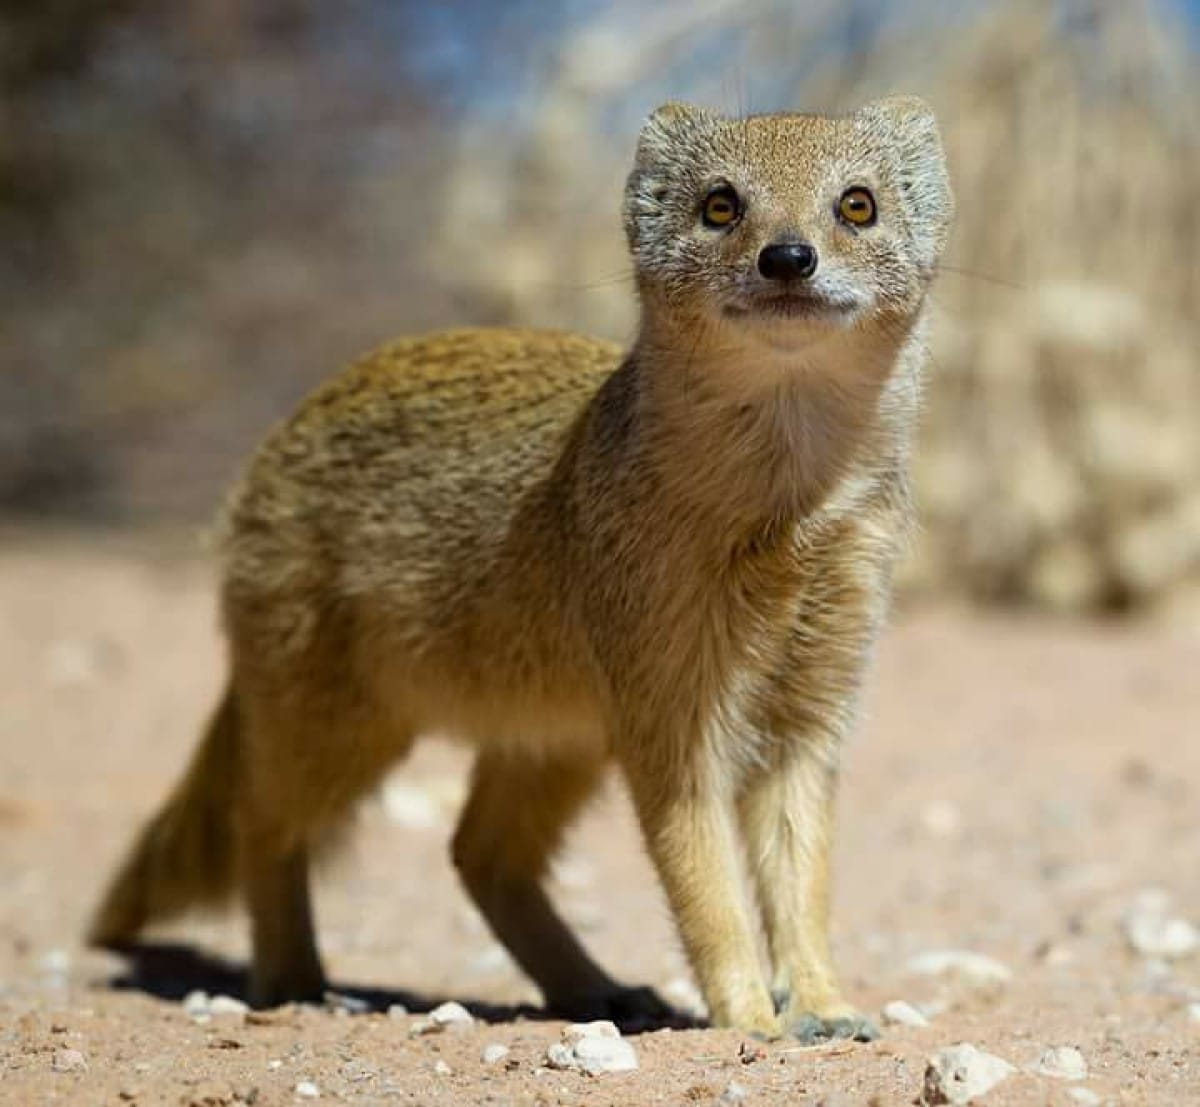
x,y
676,559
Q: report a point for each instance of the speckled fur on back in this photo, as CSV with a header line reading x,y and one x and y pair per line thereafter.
x,y
675,559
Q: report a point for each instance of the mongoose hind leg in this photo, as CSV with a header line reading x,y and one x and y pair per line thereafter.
x,y
513,822
287,966
787,820
312,750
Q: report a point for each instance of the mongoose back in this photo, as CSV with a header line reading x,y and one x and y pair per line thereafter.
x,y
674,559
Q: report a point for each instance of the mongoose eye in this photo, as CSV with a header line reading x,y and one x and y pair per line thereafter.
x,y
857,207
722,207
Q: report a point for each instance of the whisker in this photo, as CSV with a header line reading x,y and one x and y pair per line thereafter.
x,y
611,281
987,278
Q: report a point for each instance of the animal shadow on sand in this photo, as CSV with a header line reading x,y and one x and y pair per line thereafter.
x,y
171,971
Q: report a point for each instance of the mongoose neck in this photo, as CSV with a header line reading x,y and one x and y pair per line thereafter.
x,y
753,428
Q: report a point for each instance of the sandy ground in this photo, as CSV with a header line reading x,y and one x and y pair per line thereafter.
x,y
1017,786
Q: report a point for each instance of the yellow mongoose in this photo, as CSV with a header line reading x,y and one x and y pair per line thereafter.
x,y
675,559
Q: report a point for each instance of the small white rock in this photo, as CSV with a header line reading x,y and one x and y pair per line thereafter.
x,y
976,970
560,1056
69,1060
598,1028
451,1014
344,1004
446,1016
733,1093
441,1068
1063,1063
1157,935
196,1004
597,1055
55,962
900,1013
397,1011
961,1073
1057,956
1084,1095
1194,1012
228,1007
356,1072
592,1048
494,1053
306,1089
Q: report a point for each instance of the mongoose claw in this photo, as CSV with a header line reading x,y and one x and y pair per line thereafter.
x,y
810,1029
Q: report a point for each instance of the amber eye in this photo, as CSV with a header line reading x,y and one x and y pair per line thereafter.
x,y
722,207
857,207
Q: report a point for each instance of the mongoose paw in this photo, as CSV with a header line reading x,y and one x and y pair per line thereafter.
x,y
810,1029
632,1009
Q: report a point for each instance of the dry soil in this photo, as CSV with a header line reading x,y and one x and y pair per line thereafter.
x,y
1016,789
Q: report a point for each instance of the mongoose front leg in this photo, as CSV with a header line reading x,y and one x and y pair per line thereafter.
x,y
512,823
786,811
286,963
686,818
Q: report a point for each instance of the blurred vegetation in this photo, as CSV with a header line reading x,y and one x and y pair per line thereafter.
x,y
207,209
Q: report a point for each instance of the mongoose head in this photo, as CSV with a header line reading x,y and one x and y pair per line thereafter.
x,y
786,223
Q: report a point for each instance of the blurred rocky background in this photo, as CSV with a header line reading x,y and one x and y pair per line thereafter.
x,y
206,206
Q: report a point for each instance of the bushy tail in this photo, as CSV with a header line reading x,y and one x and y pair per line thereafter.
x,y
185,855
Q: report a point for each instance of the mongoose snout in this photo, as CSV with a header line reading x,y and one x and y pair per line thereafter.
x,y
787,261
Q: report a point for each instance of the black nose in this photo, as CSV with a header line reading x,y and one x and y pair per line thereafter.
x,y
788,261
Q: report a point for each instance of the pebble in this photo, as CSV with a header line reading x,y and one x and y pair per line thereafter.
x,y
451,1014
1063,1063
441,1068
397,1011
1084,1095
900,1013
494,1053
1152,932
227,1006
1056,955
306,1089
56,962
446,1016
356,1072
592,1048
346,1005
975,970
961,1073
597,1028
69,1060
733,1093
1194,1012
195,1004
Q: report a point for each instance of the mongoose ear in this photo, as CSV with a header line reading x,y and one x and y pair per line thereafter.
x,y
906,127
667,126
